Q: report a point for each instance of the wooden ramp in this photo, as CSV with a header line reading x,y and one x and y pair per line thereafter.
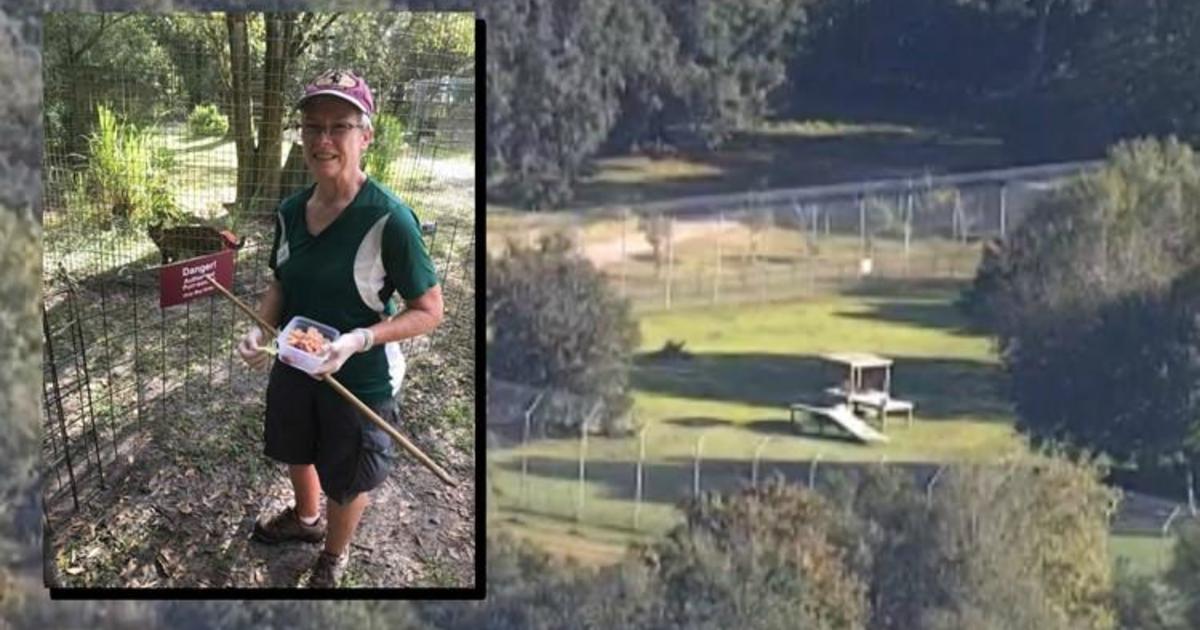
x,y
841,416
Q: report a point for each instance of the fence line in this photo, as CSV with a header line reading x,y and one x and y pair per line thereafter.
x,y
763,245
590,488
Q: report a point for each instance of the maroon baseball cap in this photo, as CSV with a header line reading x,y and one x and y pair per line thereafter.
x,y
342,84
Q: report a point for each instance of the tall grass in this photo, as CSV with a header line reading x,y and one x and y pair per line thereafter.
x,y
385,148
125,182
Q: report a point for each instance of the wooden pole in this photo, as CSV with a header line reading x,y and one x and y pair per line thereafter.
x,y
345,393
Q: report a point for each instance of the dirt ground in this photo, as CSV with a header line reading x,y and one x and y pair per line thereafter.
x,y
179,508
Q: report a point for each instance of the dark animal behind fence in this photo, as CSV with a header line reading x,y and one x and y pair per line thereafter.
x,y
180,242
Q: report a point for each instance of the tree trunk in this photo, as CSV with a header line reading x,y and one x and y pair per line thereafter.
x,y
295,173
281,29
1037,49
81,116
243,133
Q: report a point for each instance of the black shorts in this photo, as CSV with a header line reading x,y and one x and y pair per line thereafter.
x,y
309,423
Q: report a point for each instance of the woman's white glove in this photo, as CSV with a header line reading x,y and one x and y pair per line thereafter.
x,y
251,350
342,348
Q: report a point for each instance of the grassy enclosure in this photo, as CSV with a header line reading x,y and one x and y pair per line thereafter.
x,y
717,418
730,396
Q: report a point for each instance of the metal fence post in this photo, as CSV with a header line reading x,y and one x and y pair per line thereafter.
x,y
862,226
929,486
696,465
812,470
637,493
624,257
754,466
524,454
717,277
583,433
908,218
1003,209
1191,490
670,259
1166,531
582,468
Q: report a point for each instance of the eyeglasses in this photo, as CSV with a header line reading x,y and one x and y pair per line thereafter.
x,y
336,131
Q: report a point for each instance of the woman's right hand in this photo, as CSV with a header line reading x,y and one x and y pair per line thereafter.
x,y
250,348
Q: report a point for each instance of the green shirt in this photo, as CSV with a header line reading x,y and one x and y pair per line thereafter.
x,y
345,276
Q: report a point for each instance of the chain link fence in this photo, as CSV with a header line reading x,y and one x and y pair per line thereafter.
x,y
767,245
610,483
144,160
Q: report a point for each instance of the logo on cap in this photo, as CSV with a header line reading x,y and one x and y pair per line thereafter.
x,y
342,84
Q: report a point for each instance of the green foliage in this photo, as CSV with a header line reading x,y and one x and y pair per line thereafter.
x,y
367,615
768,556
564,78
386,147
731,56
207,120
526,589
1017,546
1020,546
126,180
110,58
555,322
1101,349
1144,602
1025,546
197,46
1185,571
391,49
554,73
1133,73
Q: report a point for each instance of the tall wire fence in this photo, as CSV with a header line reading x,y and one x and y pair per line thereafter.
x,y
764,245
133,155
610,483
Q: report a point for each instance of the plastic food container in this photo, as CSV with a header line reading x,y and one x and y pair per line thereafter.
x,y
297,358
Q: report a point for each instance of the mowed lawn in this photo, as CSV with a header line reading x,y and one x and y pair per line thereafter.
x,y
1144,555
730,400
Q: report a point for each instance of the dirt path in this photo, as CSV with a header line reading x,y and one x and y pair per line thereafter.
x,y
610,252
181,512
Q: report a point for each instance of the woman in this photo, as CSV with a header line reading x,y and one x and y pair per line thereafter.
x,y
342,247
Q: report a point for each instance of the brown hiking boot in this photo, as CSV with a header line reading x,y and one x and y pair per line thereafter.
x,y
328,569
286,526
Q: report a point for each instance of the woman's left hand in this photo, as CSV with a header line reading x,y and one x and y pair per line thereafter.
x,y
340,350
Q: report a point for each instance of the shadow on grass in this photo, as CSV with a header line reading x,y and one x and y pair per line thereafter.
x,y
941,389
779,427
771,159
912,313
672,482
909,288
698,422
211,144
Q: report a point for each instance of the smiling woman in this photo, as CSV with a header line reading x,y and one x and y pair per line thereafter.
x,y
341,248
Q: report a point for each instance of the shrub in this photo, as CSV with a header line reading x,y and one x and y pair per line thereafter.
x,y
207,120
126,177
385,147
554,322
1092,307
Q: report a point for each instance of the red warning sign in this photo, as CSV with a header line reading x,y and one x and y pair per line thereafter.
x,y
183,281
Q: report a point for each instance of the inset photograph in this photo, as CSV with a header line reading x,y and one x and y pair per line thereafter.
x,y
259,301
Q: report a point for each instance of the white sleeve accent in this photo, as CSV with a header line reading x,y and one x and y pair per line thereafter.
x,y
281,254
368,266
